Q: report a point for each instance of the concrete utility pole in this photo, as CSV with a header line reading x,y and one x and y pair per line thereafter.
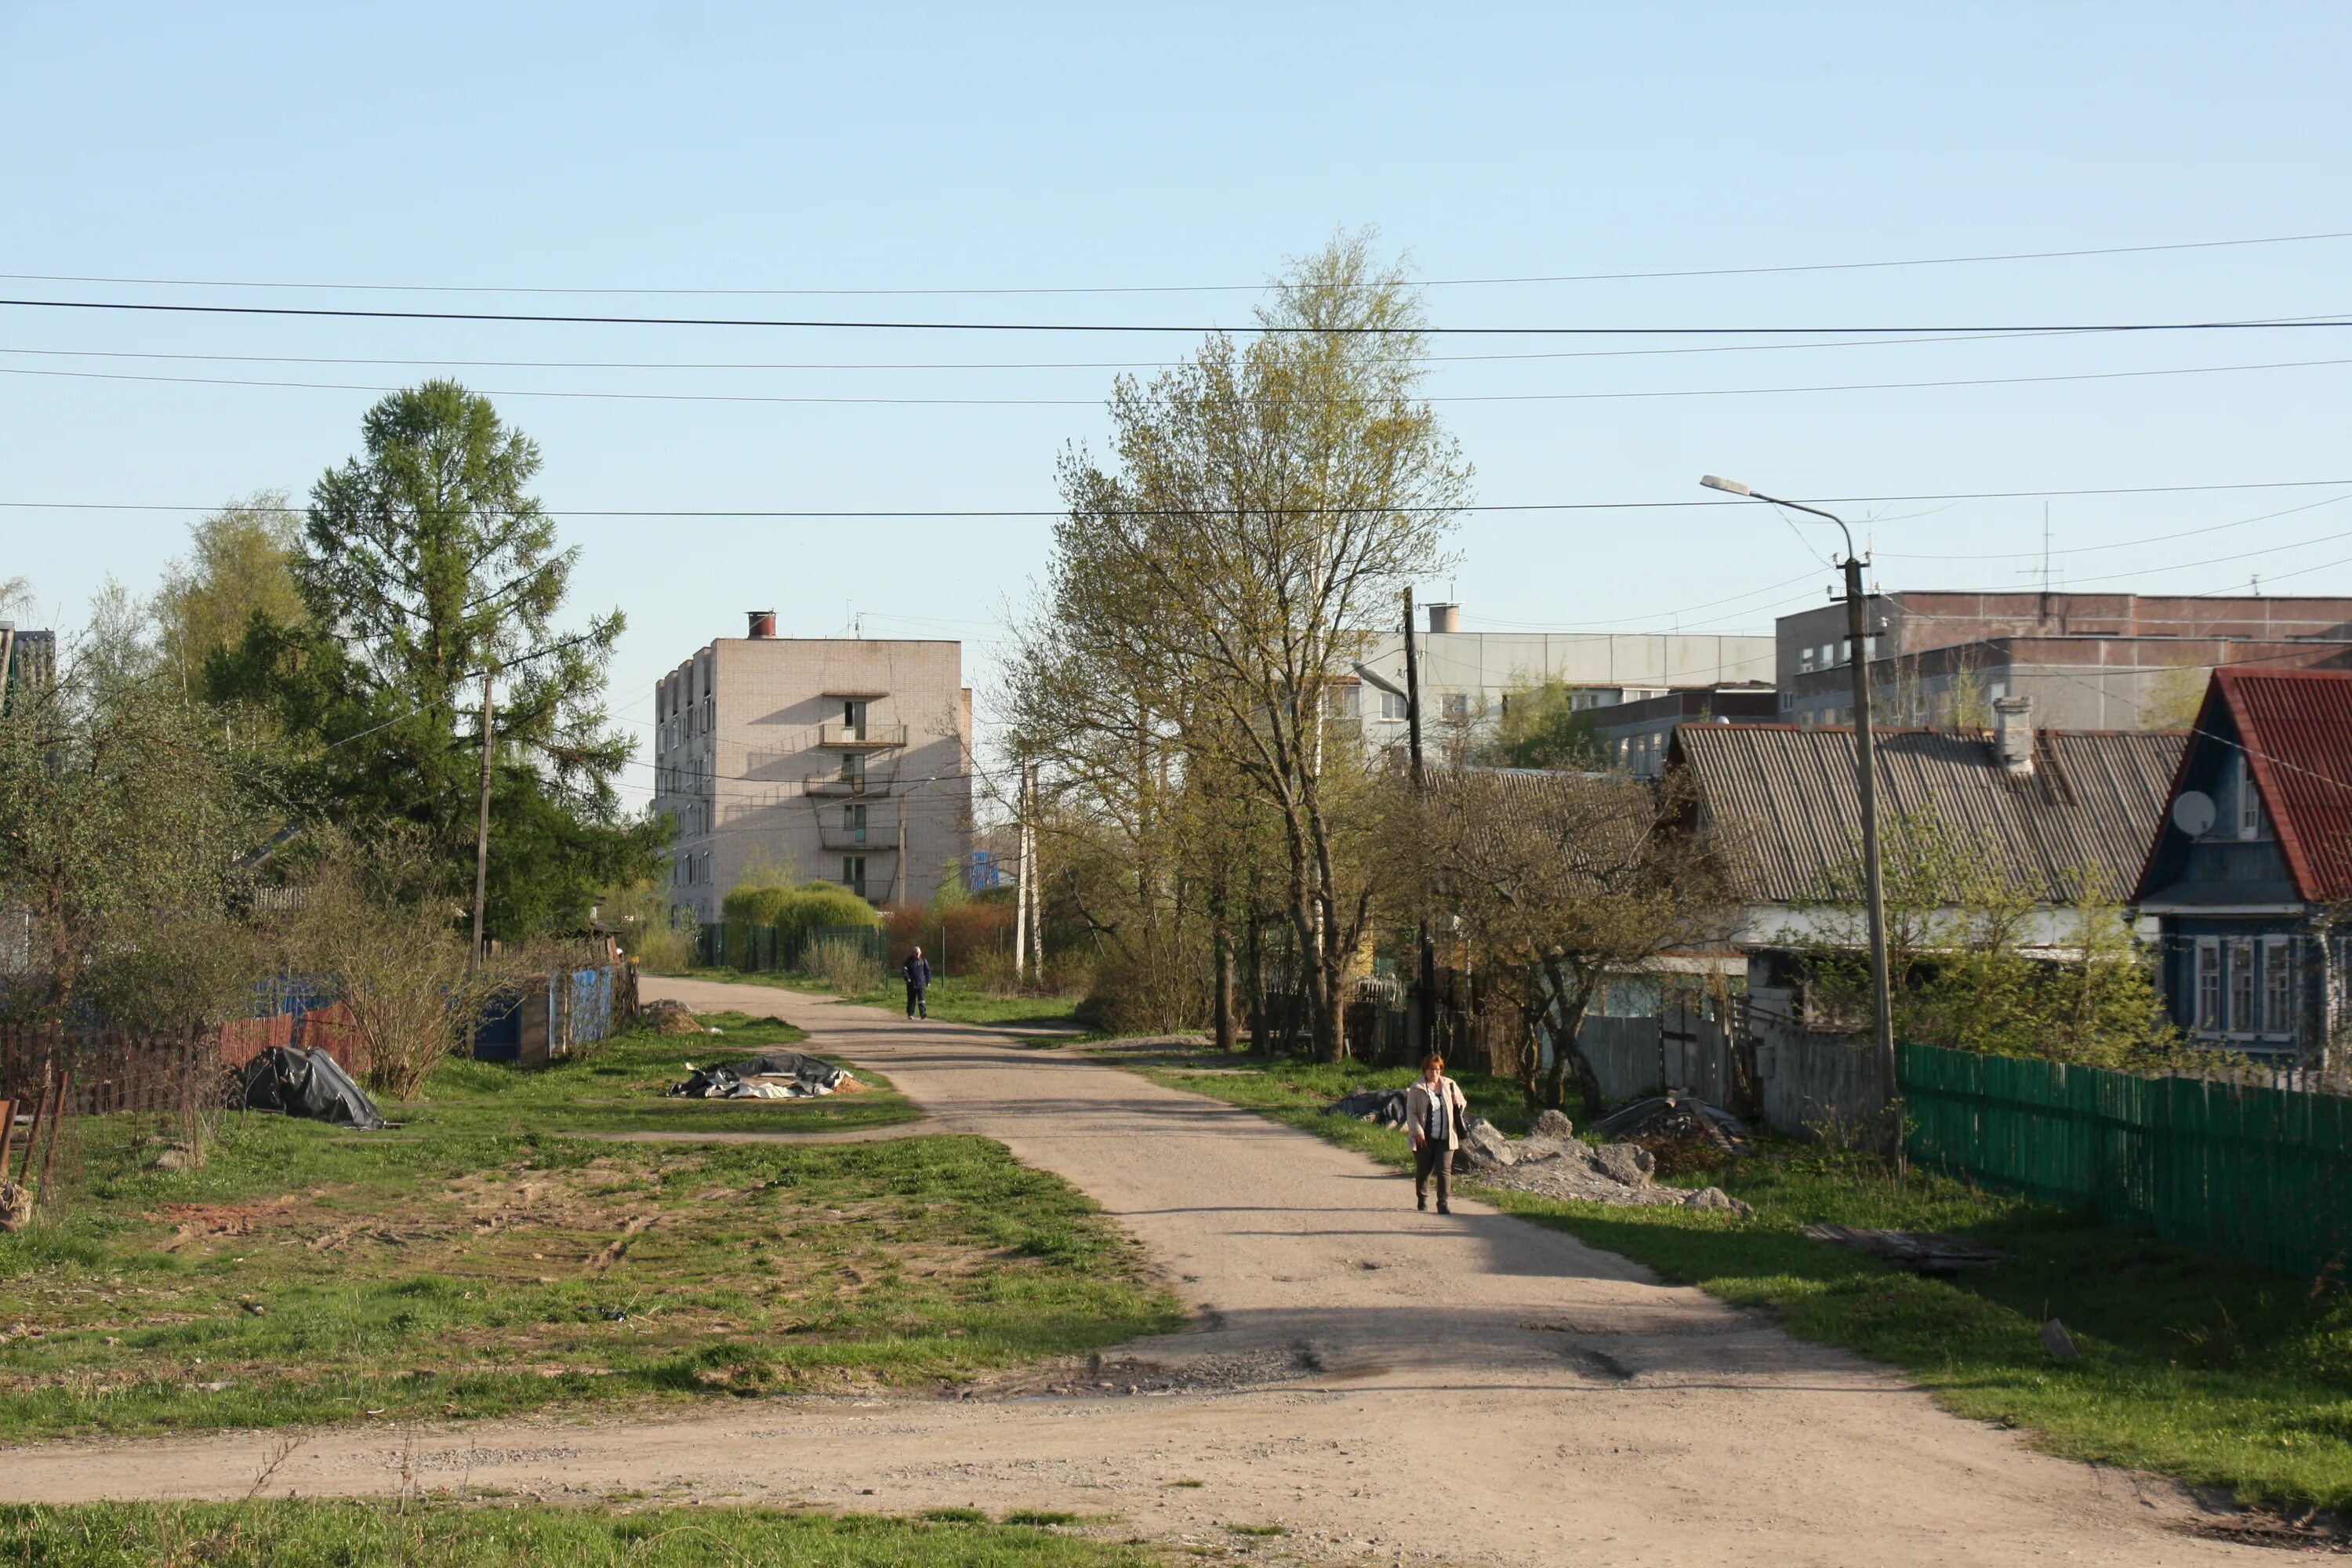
x,y
482,828
1865,764
1426,1001
1020,878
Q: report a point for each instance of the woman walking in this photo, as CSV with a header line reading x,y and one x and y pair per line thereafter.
x,y
1433,1110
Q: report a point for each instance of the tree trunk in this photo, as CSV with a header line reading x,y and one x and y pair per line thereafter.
x,y
1566,1008
1222,1002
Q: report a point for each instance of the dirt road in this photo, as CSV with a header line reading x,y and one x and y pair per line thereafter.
x,y
1388,1384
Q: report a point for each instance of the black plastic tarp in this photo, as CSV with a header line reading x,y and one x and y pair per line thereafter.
x,y
308,1083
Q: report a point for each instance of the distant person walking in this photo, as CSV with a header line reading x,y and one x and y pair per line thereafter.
x,y
1433,1110
917,970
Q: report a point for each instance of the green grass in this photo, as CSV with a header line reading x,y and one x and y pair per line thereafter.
x,y
957,1001
479,1263
433,1534
622,1087
2195,1366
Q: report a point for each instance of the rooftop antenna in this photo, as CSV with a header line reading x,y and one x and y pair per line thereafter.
x,y
2257,585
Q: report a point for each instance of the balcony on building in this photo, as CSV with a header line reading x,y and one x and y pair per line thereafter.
x,y
841,736
857,828
840,784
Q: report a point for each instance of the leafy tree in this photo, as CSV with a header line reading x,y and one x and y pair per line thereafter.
x,y
240,564
1262,506
1976,962
1558,883
127,816
423,561
1541,727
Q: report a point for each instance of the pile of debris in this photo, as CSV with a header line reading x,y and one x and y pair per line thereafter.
x,y
1384,1106
1687,1135
773,1075
668,1017
1552,1161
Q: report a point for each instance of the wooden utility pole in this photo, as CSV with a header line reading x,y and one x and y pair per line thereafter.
x,y
1426,1000
482,827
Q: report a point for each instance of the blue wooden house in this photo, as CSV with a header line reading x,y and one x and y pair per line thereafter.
x,y
2250,875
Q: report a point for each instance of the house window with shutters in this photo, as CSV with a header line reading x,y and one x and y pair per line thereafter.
x,y
2208,985
2278,985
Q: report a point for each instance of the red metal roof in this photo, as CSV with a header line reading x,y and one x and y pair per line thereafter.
x,y
2296,727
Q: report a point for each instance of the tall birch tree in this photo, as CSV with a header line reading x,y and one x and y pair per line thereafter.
x,y
1258,511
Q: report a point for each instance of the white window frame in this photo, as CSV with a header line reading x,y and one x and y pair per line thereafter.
x,y
2206,987
2278,985
2250,800
2244,984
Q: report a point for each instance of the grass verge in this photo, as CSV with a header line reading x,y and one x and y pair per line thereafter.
x,y
2193,1366
622,1087
480,1263
422,1534
957,1001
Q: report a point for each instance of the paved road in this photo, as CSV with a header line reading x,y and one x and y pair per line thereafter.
x,y
1386,1383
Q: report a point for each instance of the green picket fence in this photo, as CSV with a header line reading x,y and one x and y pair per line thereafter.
x,y
2261,1175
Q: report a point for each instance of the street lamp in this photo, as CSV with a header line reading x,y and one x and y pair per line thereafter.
x,y
1865,767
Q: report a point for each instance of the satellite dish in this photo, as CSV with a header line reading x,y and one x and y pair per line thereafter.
x,y
2193,813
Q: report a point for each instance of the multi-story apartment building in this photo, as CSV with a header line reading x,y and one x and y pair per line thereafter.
x,y
28,660
2086,661
843,758
1465,676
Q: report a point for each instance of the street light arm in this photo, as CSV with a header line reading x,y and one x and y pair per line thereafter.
x,y
1801,506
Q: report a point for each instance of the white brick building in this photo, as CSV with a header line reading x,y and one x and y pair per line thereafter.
x,y
843,758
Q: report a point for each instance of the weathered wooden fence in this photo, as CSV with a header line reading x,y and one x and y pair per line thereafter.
x,y
100,1071
2256,1174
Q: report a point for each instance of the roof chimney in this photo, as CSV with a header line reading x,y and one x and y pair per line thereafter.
x,y
1445,617
763,623
2012,733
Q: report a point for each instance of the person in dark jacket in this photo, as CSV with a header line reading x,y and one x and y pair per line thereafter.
x,y
917,970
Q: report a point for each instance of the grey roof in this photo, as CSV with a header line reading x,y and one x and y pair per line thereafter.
x,y
2094,800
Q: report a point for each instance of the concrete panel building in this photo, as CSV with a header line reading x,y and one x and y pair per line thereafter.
x,y
2085,661
1467,676
843,758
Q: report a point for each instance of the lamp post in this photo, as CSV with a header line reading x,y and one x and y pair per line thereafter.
x,y
1865,767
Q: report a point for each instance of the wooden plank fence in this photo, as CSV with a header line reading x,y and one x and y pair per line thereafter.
x,y
2257,1173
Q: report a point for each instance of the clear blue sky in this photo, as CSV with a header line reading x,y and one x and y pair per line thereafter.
x,y
915,147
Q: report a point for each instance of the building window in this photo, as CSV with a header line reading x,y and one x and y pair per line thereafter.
x,y
853,874
1455,706
2250,800
1339,701
2278,985
2242,1018
1393,706
852,822
853,719
2208,985
853,769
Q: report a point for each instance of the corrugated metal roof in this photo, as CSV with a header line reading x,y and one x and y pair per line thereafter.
x,y
2094,800
2296,727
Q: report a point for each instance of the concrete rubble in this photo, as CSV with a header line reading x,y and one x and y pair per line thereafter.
x,y
1550,1161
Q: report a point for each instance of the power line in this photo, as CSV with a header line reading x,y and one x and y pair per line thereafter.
x,y
886,401
2326,318
1190,287
1018,513
1006,364
2128,544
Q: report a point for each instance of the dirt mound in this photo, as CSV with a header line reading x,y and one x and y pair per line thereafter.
x,y
667,1017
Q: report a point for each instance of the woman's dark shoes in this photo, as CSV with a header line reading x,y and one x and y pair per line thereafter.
x,y
1421,1202
1443,1209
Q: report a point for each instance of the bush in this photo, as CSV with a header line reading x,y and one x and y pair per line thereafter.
x,y
797,911
849,968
